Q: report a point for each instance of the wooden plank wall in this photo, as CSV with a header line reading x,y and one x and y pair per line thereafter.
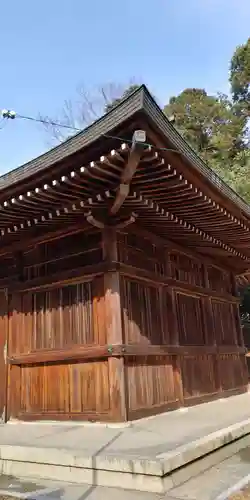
x,y
175,337
56,325
182,315
58,365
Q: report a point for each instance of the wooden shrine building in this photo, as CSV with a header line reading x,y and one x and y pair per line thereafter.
x,y
118,265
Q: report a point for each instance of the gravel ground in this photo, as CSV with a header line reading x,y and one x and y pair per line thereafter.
x,y
7,497
241,495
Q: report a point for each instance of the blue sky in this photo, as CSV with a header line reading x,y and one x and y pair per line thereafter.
x,y
49,48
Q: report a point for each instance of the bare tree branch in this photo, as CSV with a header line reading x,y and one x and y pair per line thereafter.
x,y
89,105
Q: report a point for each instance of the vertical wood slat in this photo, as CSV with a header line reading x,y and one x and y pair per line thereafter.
x,y
142,310
232,371
55,319
67,252
152,385
14,382
62,390
190,319
236,314
3,351
171,312
95,312
113,321
198,376
224,323
61,317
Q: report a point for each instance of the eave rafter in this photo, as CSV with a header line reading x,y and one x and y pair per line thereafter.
x,y
158,193
135,154
192,204
155,215
55,199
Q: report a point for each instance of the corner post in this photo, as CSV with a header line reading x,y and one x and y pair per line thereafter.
x,y
113,318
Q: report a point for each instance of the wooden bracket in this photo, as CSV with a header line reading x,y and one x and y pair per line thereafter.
x,y
100,225
93,221
139,138
127,222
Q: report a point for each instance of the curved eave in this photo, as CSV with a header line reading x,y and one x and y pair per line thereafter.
x,y
164,201
140,101
204,214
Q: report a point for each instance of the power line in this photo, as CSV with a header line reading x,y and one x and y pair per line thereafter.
x,y
46,122
11,115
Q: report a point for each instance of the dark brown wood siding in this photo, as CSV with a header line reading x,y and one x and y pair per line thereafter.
x,y
57,321
177,305
157,330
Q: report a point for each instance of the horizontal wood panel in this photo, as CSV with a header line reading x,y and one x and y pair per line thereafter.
x,y
106,351
76,388
158,350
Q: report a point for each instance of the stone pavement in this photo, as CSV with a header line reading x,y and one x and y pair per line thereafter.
x,y
216,483
144,438
148,455
55,490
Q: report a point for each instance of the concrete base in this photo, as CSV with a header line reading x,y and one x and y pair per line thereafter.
x,y
159,474
150,455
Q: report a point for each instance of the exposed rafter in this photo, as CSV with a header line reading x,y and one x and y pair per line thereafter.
x,y
166,198
161,217
139,139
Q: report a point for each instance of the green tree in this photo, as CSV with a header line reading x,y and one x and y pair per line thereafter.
x,y
245,303
210,124
240,77
238,175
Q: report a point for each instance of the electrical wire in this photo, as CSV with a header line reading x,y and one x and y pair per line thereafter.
x,y
46,122
7,114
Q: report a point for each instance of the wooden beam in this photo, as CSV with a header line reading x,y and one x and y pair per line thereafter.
x,y
120,350
113,325
63,278
139,138
51,235
180,286
174,246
